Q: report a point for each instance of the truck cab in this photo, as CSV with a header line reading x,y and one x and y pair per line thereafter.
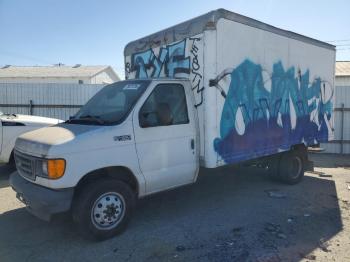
x,y
133,138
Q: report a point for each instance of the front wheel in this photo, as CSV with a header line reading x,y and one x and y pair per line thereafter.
x,y
103,208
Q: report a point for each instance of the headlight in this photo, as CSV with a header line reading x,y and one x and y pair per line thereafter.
x,y
44,167
50,168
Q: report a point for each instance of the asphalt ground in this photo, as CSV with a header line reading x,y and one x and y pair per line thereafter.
x,y
230,214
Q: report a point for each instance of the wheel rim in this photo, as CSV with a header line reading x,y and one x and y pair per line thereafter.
x,y
295,167
108,210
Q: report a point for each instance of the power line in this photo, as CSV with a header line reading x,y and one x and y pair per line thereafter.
x,y
343,40
344,45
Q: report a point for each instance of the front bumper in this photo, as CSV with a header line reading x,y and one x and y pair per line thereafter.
x,y
41,201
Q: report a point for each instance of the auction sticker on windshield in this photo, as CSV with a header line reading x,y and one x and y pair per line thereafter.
x,y
131,87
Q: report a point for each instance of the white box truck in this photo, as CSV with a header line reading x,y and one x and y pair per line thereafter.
x,y
218,89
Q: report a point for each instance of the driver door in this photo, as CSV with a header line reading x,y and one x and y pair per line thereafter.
x,y
165,136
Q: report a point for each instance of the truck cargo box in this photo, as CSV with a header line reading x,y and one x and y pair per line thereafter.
x,y
259,89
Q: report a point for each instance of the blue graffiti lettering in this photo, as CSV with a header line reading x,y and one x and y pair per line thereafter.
x,y
158,62
177,63
273,119
171,60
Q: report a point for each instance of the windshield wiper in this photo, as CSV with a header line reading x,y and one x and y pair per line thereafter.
x,y
87,118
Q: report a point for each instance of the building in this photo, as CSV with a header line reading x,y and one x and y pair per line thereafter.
x,y
77,74
342,73
341,142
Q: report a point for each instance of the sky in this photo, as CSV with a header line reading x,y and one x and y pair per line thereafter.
x,y
47,32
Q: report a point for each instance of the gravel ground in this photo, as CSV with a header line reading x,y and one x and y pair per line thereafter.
x,y
230,214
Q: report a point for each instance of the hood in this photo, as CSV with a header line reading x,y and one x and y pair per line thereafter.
x,y
39,142
30,120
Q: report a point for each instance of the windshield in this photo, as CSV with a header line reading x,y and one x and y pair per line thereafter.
x,y
112,104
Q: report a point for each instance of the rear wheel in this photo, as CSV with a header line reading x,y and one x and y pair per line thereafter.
x,y
103,208
292,167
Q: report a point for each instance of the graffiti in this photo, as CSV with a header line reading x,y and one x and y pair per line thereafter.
x,y
169,62
180,59
197,77
267,114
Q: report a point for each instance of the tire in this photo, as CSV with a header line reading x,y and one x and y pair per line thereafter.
x,y
292,167
272,167
103,208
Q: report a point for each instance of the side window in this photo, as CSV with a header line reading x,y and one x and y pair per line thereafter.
x,y
164,107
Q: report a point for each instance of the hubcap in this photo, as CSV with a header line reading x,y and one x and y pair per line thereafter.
x,y
108,210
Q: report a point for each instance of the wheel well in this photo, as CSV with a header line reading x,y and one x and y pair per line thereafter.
x,y
299,147
12,157
118,172
302,149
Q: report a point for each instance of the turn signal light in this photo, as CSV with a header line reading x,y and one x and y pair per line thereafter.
x,y
56,168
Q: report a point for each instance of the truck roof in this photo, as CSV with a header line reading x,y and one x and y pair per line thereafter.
x,y
208,21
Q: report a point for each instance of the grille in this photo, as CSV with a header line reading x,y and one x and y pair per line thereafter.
x,y
25,165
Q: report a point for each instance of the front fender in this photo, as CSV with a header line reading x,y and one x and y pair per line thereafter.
x,y
80,164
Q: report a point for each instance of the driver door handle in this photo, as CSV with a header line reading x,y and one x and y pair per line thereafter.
x,y
192,143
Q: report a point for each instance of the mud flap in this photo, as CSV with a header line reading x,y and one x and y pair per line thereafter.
x,y
309,165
